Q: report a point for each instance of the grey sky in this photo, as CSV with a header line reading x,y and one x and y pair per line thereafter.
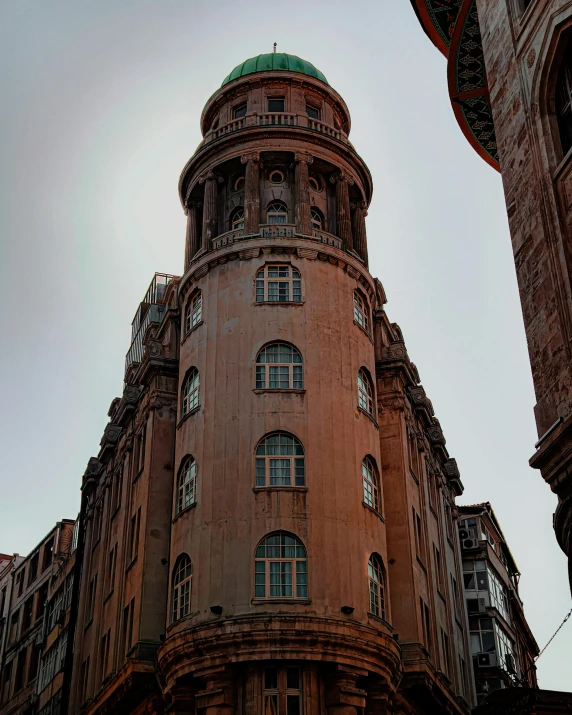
x,y
99,113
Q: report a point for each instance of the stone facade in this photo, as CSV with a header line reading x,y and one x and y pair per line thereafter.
x,y
512,65
269,525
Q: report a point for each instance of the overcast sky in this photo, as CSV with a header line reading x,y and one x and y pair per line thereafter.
x,y
99,112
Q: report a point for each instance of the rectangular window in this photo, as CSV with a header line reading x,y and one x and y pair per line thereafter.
x,y
282,691
417,528
34,662
20,582
14,626
27,613
84,680
111,562
6,678
312,112
239,111
48,554
42,599
276,104
134,536
438,568
141,444
425,623
446,653
20,670
33,570
104,655
91,594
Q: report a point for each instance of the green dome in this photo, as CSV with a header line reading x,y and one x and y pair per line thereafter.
x,y
274,61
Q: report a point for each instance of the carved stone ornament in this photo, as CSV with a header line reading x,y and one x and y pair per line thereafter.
x,y
251,156
111,433
154,348
131,394
301,157
451,469
342,176
530,58
94,467
418,395
397,351
435,434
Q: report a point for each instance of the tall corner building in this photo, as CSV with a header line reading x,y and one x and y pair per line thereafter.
x,y
509,73
269,527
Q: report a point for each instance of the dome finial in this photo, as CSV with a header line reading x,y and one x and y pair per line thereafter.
x,y
275,47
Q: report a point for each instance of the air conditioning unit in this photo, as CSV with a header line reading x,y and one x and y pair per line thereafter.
x,y
469,544
464,534
487,660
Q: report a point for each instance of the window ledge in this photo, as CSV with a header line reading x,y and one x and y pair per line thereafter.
x,y
258,391
109,595
432,509
139,473
421,564
96,543
375,511
183,511
187,415
356,322
414,477
88,624
115,513
441,595
192,330
283,599
277,488
369,416
279,302
131,563
379,619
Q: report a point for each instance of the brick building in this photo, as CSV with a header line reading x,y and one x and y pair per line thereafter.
x,y
26,599
269,525
503,649
510,81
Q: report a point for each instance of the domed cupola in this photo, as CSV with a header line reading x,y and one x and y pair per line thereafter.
x,y
274,62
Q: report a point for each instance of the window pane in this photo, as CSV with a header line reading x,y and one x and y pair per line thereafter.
x,y
293,678
292,705
270,678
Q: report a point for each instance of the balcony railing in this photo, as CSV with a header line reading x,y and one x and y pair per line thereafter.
x,y
324,128
289,120
154,314
274,231
232,126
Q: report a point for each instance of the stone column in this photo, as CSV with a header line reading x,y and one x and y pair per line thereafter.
x,y
210,217
343,697
343,218
192,244
359,235
182,701
303,225
251,192
219,697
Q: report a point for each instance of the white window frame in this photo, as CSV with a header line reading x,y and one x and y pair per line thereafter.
x,y
182,588
280,462
275,212
279,366
370,483
361,311
191,387
375,573
278,283
282,558
187,484
365,392
194,311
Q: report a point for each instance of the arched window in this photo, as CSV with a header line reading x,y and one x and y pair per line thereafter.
x,y
280,568
375,576
365,391
279,367
316,219
280,283
564,99
276,212
315,183
194,311
181,599
361,311
237,219
190,391
238,183
187,484
370,483
280,461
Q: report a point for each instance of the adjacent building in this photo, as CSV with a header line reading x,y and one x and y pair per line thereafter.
x,y
269,525
27,600
509,74
503,648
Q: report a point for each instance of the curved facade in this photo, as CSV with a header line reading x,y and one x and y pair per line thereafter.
x,y
269,527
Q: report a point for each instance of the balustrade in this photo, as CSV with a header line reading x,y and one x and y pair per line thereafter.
x,y
283,119
274,231
317,126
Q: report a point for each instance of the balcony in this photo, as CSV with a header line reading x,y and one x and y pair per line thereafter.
x,y
275,119
274,231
